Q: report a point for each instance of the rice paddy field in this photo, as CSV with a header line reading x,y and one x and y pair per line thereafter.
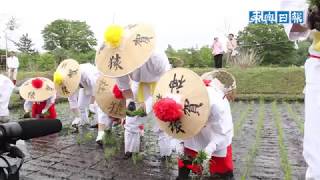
x,y
267,144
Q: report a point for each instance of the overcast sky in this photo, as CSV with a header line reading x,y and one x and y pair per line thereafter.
x,y
181,23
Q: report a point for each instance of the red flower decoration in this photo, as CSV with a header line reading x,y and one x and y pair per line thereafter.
x,y
167,110
117,92
37,83
180,163
207,82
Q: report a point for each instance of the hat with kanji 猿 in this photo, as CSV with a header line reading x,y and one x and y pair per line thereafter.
x,y
37,89
125,49
181,103
109,97
67,77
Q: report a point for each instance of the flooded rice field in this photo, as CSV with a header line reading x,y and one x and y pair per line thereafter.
x,y
267,144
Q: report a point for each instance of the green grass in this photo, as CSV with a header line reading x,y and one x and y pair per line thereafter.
x,y
296,118
29,74
254,148
243,117
285,165
85,138
271,82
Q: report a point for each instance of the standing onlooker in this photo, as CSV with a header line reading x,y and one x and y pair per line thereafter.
x,y
231,46
12,65
217,52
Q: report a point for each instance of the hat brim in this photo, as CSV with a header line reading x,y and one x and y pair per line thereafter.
x,y
135,50
29,93
70,71
105,99
194,99
225,77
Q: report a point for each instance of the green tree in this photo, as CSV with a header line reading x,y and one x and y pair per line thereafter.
x,y
206,56
68,35
269,41
25,44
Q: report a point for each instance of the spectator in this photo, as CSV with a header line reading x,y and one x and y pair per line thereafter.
x,y
231,47
12,65
217,52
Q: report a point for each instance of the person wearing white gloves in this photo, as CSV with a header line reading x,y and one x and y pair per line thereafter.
x,y
130,56
311,28
12,65
6,90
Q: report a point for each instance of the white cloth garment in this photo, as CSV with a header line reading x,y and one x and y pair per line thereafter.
x,y
13,62
151,71
82,98
311,144
295,5
27,106
217,134
6,87
311,141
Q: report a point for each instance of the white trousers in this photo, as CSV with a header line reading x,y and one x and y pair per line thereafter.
x,y
12,73
132,131
80,100
311,144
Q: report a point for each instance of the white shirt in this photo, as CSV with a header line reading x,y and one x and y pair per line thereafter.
x,y
151,71
89,76
218,131
13,62
6,87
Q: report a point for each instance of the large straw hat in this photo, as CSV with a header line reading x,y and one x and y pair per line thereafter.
x,y
125,49
181,103
109,98
37,89
227,79
67,77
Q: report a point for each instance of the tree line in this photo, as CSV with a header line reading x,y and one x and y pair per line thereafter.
x,y
73,39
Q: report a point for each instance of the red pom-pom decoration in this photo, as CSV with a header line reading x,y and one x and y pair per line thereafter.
x,y
37,83
167,110
207,82
117,92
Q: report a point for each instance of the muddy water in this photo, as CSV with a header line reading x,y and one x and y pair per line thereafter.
x,y
67,156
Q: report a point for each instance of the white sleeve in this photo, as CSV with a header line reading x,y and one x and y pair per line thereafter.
x,y
123,82
27,106
295,5
50,101
73,100
220,122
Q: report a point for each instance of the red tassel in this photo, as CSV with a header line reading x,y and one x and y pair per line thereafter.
x,y
37,83
180,163
207,82
117,92
167,110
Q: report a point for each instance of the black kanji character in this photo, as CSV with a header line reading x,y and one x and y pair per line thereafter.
x,y
141,39
176,84
191,108
176,127
115,62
